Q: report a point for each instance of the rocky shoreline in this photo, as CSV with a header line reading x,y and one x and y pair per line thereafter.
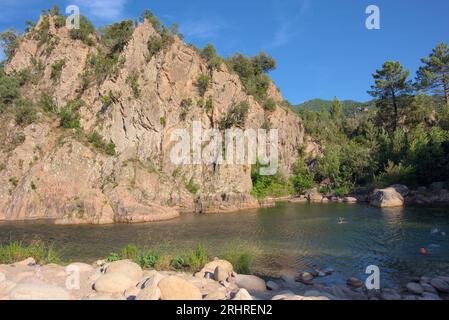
x,y
125,280
395,196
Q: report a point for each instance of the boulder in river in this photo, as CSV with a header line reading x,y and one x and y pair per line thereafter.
x,y
387,198
306,278
354,283
440,285
415,288
271,285
251,283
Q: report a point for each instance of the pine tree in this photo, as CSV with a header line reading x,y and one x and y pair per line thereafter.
x,y
336,109
391,86
434,75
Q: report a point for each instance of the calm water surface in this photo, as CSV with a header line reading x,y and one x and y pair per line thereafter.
x,y
290,236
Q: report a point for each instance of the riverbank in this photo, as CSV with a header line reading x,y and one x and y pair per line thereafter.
x,y
217,280
434,196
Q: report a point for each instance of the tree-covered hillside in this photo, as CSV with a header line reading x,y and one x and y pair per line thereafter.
x,y
349,106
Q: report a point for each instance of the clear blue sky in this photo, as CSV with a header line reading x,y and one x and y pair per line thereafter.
x,y
322,46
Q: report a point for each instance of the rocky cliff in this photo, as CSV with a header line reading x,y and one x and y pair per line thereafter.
x,y
55,173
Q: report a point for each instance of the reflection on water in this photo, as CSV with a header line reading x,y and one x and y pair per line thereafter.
x,y
290,236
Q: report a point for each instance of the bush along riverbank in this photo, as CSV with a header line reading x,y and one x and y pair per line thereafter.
x,y
199,278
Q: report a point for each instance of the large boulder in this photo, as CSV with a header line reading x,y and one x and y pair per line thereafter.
x,y
314,196
415,288
131,269
175,288
251,283
38,292
440,284
223,264
387,198
113,283
149,286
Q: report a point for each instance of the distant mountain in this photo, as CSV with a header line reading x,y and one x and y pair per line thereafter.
x,y
349,106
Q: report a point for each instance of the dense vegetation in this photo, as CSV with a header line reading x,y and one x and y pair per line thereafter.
x,y
401,136
242,258
405,139
349,107
17,251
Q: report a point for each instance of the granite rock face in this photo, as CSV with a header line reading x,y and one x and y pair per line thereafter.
x,y
52,173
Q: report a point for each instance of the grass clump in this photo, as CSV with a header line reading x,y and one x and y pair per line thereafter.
x,y
269,105
100,144
242,257
133,82
159,43
25,112
56,69
192,260
236,117
186,104
68,116
203,83
47,103
18,251
192,187
270,186
100,67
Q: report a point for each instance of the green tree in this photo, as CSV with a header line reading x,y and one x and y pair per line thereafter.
x,y
391,84
117,35
148,15
210,55
9,40
420,111
434,75
252,73
302,179
203,83
336,110
9,88
84,32
263,63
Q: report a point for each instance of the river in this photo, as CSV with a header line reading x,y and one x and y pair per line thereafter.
x,y
296,237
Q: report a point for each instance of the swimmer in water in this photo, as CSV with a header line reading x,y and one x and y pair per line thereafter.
x,y
341,220
434,230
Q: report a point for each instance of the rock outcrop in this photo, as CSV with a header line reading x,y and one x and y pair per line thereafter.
x,y
52,173
387,198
